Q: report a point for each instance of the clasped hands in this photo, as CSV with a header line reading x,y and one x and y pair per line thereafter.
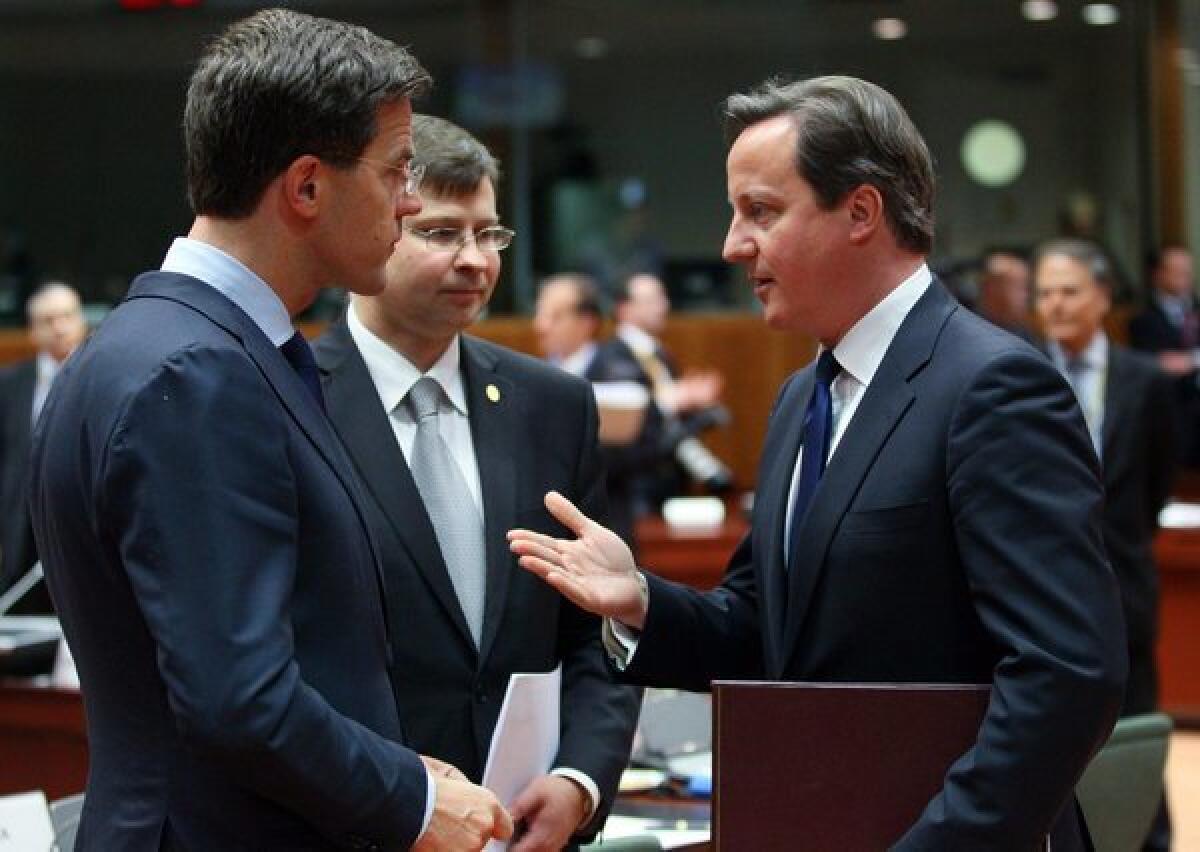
x,y
466,817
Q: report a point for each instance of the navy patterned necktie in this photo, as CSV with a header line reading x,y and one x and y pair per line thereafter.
x,y
818,430
300,356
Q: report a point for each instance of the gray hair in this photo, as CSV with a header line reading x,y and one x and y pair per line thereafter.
x,y
455,161
1090,255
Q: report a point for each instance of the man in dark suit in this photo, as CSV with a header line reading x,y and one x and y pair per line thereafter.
x,y
1169,329
56,328
928,504
468,438
202,531
1127,404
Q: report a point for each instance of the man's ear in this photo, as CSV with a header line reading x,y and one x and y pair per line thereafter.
x,y
301,185
864,206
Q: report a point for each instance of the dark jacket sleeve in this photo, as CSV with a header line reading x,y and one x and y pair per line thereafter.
x,y
1024,489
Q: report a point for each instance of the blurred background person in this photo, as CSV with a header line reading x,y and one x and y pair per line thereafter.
x,y
56,328
1168,327
1004,292
566,320
683,405
1127,403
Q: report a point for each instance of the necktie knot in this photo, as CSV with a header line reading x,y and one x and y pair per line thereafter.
x,y
298,353
827,367
423,398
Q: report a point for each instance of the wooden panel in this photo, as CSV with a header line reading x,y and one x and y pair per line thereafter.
x,y
43,742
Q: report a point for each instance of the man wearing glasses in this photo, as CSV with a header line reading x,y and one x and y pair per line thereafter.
x,y
467,439
202,532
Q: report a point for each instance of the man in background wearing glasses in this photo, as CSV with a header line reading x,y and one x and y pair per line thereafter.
x,y
468,438
202,532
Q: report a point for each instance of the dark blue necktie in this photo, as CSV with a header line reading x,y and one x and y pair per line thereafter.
x,y
818,429
300,356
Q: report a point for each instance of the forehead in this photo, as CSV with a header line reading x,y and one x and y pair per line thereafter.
x,y
393,126
1062,270
480,203
53,302
762,150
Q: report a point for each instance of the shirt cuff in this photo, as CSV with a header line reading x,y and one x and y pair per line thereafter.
x,y
620,640
430,800
589,787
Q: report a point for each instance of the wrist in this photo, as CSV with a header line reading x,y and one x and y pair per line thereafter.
x,y
636,616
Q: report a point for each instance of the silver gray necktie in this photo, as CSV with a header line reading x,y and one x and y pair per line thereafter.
x,y
448,501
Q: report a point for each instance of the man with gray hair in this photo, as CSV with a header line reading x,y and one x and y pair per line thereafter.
x,y
203,533
56,328
928,502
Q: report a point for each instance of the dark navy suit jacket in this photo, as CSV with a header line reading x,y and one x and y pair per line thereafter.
x,y
204,540
18,552
536,431
954,538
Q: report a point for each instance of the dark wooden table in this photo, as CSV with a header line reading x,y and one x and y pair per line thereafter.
x,y
43,743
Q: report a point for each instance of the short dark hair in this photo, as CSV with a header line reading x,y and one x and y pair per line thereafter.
x,y
849,133
1087,253
276,86
455,161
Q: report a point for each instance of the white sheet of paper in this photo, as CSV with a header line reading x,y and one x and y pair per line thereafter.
x,y
25,823
526,737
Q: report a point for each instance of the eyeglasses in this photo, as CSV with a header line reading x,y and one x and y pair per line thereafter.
x,y
493,238
411,173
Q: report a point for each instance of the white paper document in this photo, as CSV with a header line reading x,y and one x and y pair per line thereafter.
x,y
25,823
526,737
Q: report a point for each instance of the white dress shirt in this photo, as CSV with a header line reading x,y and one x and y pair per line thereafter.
x,y
45,371
393,376
1087,380
234,280
578,361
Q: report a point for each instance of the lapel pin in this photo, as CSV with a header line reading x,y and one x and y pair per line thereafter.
x,y
493,393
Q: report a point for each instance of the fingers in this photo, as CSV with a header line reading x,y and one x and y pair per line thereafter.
x,y
439,768
502,822
566,513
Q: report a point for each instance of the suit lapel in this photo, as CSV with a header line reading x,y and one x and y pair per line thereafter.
x,y
887,399
365,430
288,387
1115,403
497,416
776,477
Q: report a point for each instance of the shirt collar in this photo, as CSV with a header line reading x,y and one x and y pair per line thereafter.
x,y
1094,356
47,367
861,349
578,361
394,375
637,339
233,280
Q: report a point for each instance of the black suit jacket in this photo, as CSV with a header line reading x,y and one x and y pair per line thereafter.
x,y
538,434
18,552
205,541
954,538
1138,450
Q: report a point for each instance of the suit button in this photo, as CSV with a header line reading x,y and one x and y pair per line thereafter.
x,y
480,696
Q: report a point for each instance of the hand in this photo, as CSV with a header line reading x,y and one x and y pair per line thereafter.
x,y
552,808
465,817
595,571
1177,363
439,768
698,390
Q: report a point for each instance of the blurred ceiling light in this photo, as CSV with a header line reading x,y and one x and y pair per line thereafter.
x,y
591,47
889,29
1039,10
1100,14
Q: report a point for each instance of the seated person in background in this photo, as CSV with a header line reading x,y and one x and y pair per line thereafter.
x,y
468,437
1004,292
668,454
56,327
1169,328
566,320
1127,403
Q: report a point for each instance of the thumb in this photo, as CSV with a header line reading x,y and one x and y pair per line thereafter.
x,y
566,513
502,825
